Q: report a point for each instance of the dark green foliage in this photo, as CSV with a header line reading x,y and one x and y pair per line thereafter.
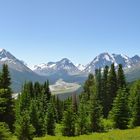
x,y
25,98
34,117
41,115
30,89
121,77
83,117
68,122
95,114
74,103
104,93
135,103
6,101
4,132
120,110
98,79
50,120
24,129
5,78
111,88
67,103
37,89
59,109
136,112
47,91
34,100
89,85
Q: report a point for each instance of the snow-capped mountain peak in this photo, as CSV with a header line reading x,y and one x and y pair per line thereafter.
x,y
7,58
80,67
104,59
62,66
2,50
65,61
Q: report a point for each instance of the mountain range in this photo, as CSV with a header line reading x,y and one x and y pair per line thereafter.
x,y
65,69
99,61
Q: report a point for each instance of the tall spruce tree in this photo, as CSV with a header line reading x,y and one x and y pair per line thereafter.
x,y
50,120
120,111
47,91
6,101
24,129
74,103
59,109
34,117
37,89
136,111
5,78
134,103
95,114
68,122
89,85
83,117
98,78
104,93
111,88
121,77
41,115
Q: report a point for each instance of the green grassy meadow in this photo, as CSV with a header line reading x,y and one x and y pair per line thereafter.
x,y
131,134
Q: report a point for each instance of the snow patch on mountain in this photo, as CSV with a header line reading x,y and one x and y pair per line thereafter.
x,y
80,67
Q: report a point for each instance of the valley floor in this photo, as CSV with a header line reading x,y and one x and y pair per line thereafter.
x,y
131,134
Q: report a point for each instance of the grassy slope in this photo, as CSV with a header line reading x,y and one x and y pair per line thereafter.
x,y
132,134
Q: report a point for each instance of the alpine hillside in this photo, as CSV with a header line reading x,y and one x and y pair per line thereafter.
x,y
18,70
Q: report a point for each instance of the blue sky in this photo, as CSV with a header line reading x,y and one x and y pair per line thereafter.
x,y
38,31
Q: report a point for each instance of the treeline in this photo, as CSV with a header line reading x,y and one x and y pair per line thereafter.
x,y
107,102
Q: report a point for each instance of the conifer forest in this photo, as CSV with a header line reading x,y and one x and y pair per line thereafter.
x,y
107,102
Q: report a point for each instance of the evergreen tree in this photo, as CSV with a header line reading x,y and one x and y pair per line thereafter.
x,y
37,89
24,129
45,95
50,120
5,78
134,103
121,77
136,111
111,88
95,114
25,98
31,89
89,85
98,78
41,115
74,103
59,110
104,94
83,118
34,117
6,101
68,122
4,132
120,111
47,91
